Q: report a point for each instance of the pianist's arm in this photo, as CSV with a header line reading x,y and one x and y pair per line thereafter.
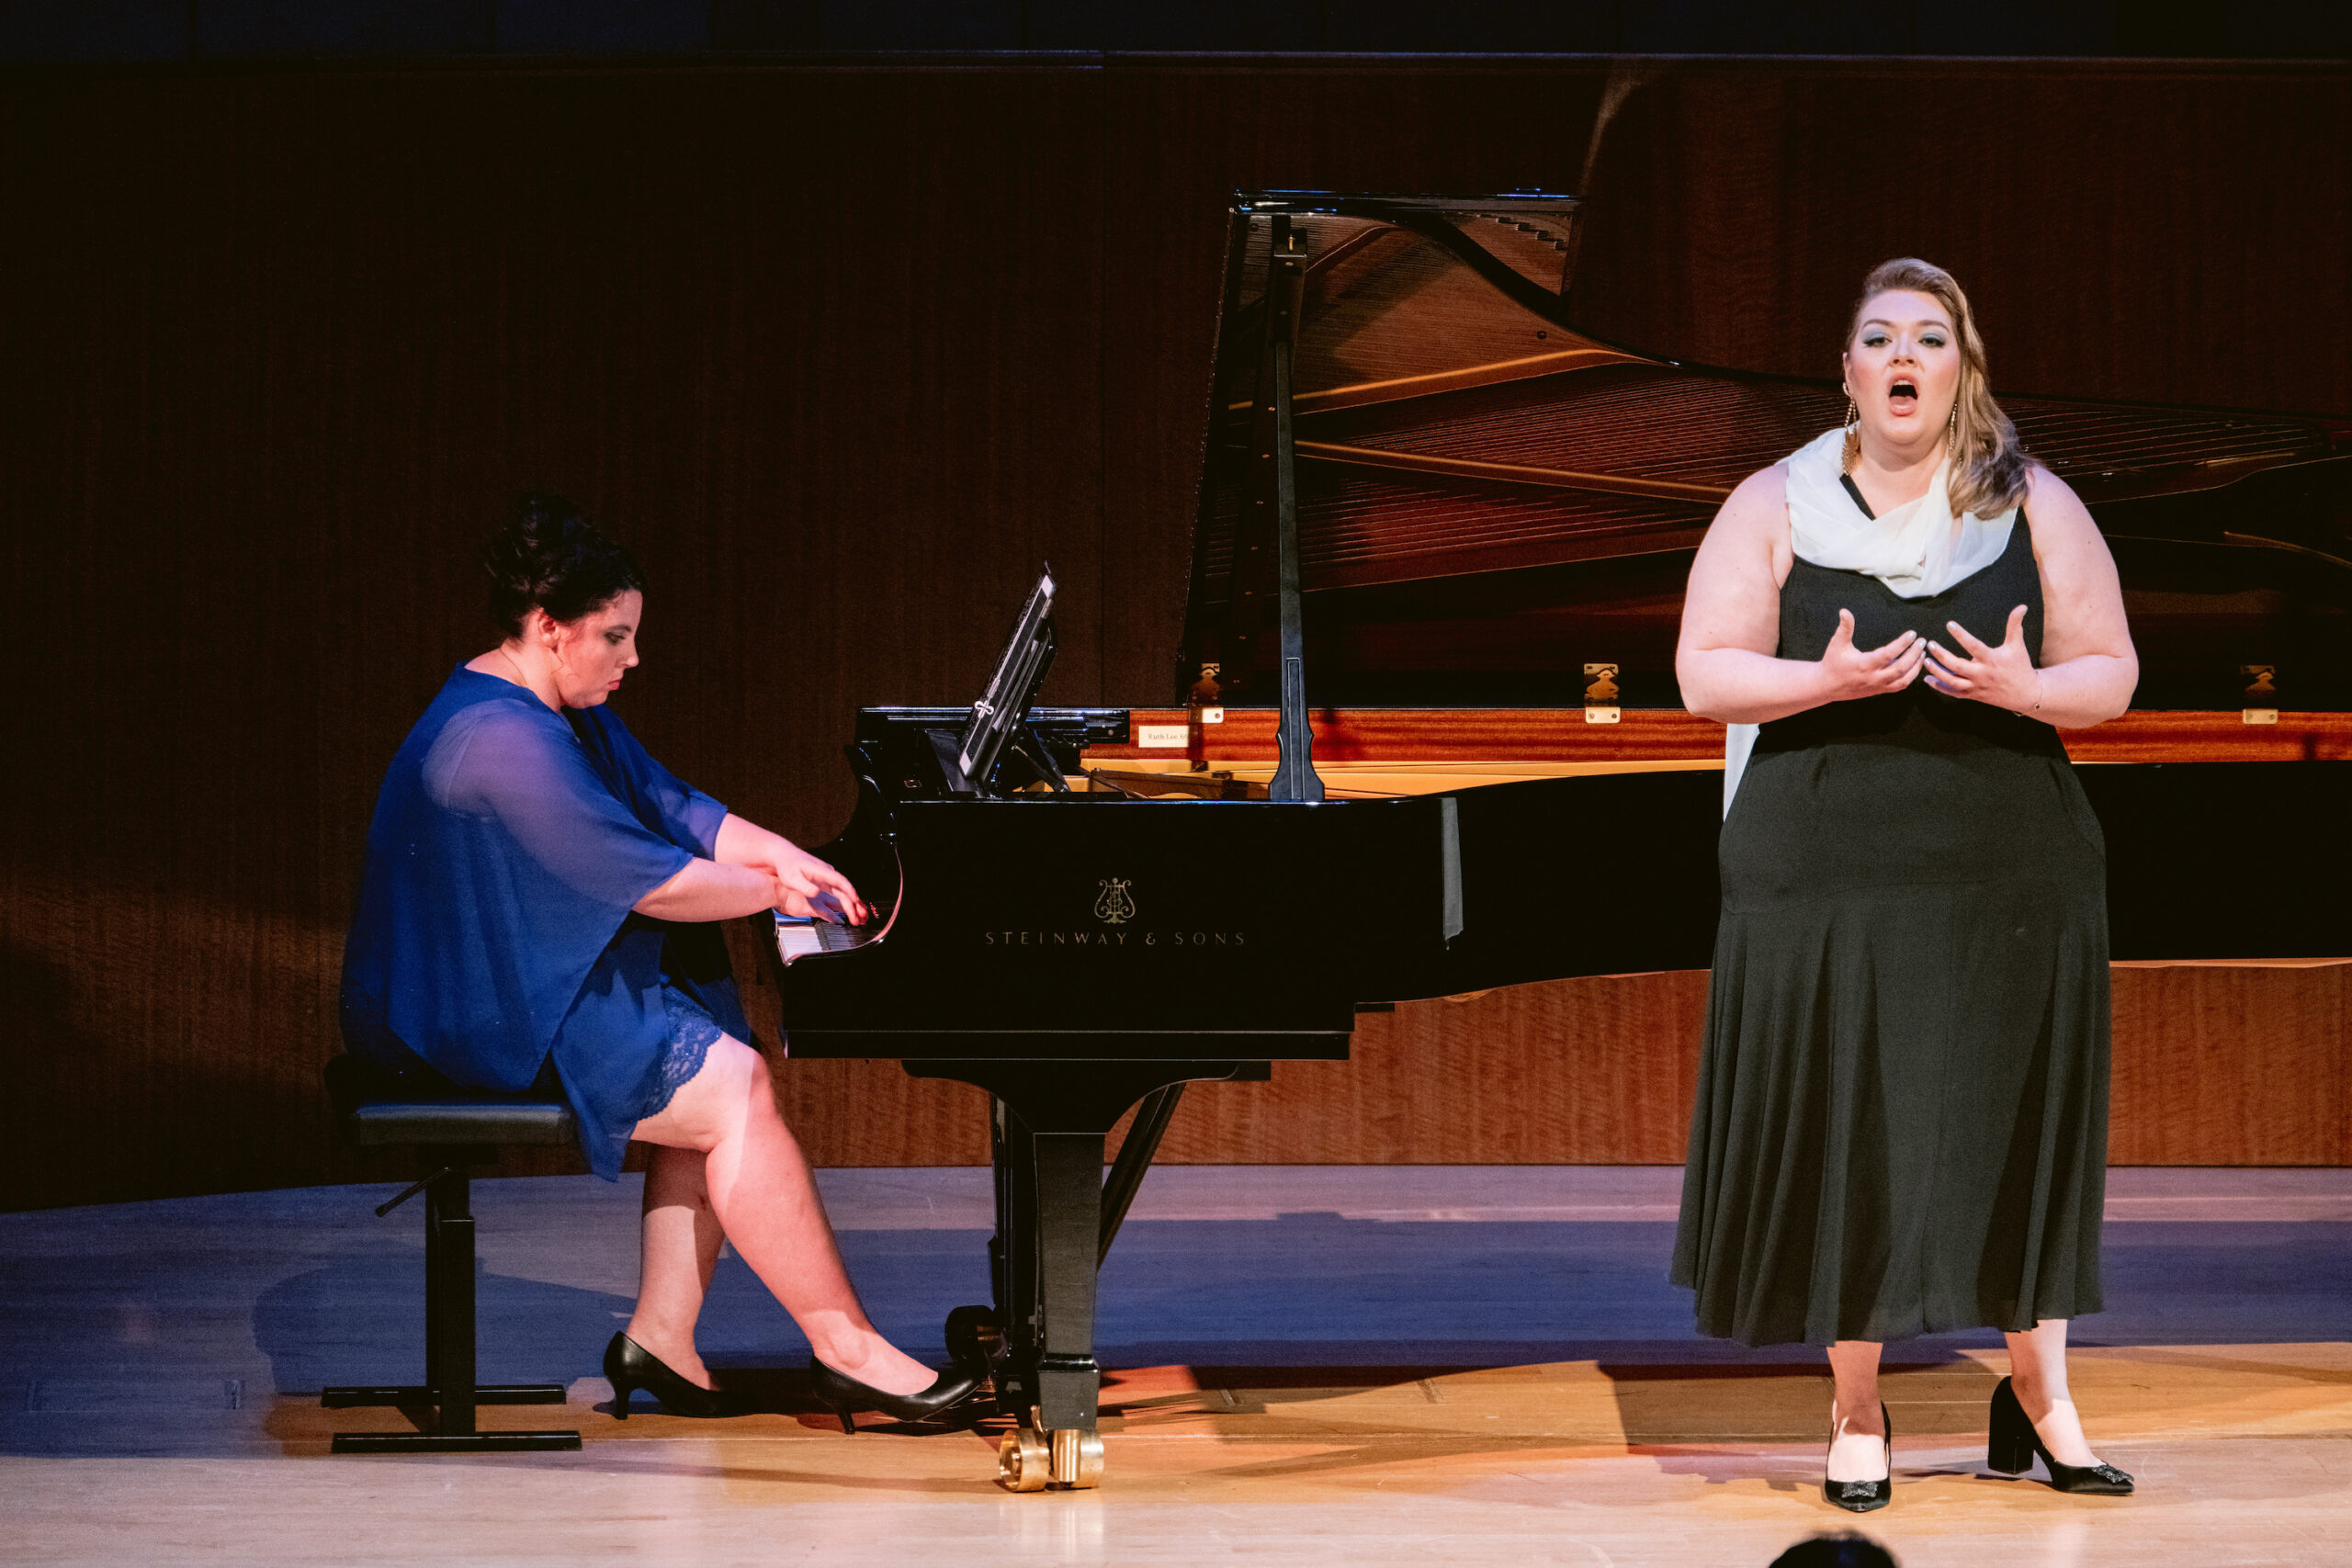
x,y
753,870
1731,623
707,890
811,886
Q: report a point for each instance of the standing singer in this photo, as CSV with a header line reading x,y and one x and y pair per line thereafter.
x,y
1901,1124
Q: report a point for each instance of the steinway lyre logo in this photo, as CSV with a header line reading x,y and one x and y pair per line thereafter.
x,y
1116,906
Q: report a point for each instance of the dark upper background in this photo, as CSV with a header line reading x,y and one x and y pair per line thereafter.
x,y
244,30
845,344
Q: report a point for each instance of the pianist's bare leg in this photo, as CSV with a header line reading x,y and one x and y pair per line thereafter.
x,y
766,1203
681,1241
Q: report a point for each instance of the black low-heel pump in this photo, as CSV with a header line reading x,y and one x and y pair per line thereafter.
x,y
1863,1496
2014,1442
629,1366
842,1395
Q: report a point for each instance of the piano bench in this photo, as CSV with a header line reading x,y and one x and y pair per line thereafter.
x,y
452,1132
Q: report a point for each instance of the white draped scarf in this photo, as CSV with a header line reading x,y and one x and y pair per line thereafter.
x,y
1913,548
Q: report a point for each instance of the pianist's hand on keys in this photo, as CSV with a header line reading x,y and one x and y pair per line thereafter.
x,y
796,937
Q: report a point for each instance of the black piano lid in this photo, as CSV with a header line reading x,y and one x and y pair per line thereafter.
x,y
1492,498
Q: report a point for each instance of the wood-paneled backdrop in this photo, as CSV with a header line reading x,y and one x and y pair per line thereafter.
x,y
844,351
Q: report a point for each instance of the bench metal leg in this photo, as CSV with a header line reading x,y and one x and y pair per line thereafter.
x,y
449,1358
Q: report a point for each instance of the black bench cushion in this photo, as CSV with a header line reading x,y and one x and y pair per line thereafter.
x,y
378,1108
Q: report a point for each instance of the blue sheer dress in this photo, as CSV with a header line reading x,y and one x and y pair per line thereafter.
x,y
495,944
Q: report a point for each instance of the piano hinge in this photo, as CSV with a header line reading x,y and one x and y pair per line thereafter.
x,y
1600,694
2261,693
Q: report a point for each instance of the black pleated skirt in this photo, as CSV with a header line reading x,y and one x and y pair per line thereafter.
x,y
1901,1124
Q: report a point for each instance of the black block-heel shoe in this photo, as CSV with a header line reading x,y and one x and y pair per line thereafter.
x,y
1863,1496
629,1366
2014,1442
842,1395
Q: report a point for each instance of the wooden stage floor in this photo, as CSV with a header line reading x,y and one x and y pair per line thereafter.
x,y
1311,1365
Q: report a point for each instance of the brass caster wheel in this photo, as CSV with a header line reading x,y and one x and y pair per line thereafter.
x,y
1077,1458
1021,1461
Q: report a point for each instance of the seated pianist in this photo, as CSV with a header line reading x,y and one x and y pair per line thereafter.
x,y
535,910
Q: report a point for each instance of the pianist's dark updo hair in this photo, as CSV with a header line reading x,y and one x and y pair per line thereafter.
x,y
552,557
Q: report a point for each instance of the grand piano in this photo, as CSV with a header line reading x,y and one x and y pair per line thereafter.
x,y
1422,735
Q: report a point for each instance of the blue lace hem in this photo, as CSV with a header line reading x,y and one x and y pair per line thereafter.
x,y
691,1031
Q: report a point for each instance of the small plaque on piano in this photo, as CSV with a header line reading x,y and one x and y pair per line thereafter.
x,y
1161,737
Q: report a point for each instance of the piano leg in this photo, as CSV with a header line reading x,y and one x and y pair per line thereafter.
x,y
1049,1202
1049,1123
1069,1211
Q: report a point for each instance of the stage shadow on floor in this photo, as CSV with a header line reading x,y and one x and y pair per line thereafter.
x,y
361,1321
1319,1291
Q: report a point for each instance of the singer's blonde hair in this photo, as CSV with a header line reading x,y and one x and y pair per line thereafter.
x,y
1988,463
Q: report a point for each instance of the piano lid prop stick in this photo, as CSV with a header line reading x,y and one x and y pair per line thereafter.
x,y
1294,776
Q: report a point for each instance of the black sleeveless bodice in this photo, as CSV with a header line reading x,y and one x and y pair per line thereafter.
x,y
1901,1121
1812,597
1911,786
